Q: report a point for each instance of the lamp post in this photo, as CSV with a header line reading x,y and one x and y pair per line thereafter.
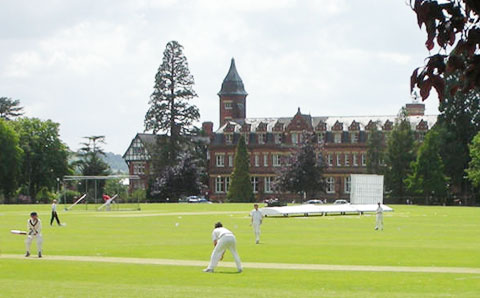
x,y
58,187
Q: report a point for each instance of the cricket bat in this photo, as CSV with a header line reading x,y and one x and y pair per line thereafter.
x,y
18,232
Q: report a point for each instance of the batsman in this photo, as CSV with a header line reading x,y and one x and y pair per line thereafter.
x,y
34,231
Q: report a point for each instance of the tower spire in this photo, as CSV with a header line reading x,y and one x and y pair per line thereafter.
x,y
233,97
232,84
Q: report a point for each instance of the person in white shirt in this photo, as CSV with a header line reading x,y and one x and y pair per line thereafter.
x,y
223,239
34,231
256,221
379,213
54,213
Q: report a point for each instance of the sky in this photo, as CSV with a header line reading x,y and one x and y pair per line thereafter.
x,y
90,65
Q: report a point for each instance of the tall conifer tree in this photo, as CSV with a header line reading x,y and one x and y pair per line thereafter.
x,y
241,189
170,109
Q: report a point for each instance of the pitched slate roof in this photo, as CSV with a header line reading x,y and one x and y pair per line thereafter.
x,y
330,121
232,84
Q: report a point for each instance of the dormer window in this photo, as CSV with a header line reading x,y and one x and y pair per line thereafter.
x,y
337,138
294,137
228,138
262,138
297,138
421,136
354,137
321,137
278,138
246,136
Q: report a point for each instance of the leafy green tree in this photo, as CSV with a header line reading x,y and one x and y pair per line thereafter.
x,y
115,186
305,174
138,195
375,152
240,189
91,162
457,125
427,177
10,108
399,154
10,160
182,179
473,170
199,150
170,109
45,155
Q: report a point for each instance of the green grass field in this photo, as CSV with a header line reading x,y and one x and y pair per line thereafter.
x,y
413,236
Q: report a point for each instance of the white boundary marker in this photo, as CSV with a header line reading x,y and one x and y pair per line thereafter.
x,y
285,266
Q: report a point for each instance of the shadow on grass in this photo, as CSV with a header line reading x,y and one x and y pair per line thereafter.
x,y
226,272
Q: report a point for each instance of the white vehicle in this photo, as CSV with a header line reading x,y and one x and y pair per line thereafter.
x,y
340,202
314,202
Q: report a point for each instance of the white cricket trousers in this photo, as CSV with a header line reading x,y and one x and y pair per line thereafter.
x,y
225,242
379,224
28,242
256,229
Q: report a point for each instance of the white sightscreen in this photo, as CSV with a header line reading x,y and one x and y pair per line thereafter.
x,y
366,189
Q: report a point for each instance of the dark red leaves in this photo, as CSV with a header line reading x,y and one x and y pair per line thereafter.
x,y
413,79
429,44
451,23
454,63
439,84
425,87
436,64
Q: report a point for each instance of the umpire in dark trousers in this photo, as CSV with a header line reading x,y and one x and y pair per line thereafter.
x,y
54,213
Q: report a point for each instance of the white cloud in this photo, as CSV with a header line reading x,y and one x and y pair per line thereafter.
x,y
90,65
398,58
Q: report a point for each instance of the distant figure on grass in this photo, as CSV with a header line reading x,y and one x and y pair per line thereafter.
x,y
54,213
256,221
34,227
379,212
106,199
223,239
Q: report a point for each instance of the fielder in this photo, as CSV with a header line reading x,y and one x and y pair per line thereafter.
x,y
256,221
54,213
34,231
223,239
379,212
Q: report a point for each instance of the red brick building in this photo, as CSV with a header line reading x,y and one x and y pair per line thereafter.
x,y
341,140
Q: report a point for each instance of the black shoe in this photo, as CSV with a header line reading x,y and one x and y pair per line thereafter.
x,y
27,254
39,254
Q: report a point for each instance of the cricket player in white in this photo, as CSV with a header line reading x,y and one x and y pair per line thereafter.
x,y
256,221
223,239
379,213
34,231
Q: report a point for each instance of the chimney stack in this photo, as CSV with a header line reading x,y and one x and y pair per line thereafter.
x,y
207,127
415,109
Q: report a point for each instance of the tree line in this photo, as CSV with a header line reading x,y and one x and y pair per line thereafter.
x,y
33,159
32,155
